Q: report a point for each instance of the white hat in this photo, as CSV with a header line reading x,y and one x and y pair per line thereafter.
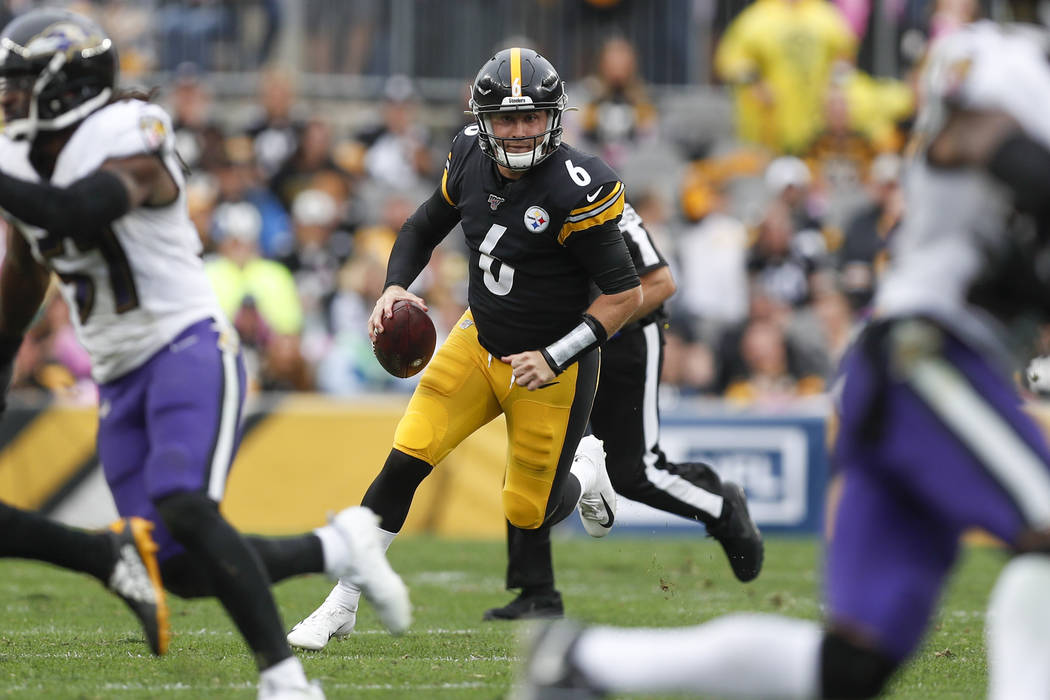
x,y
785,172
314,208
239,220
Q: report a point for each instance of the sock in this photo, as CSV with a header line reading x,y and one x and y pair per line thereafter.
x,y
284,674
333,548
285,557
1018,620
29,535
585,471
345,593
760,656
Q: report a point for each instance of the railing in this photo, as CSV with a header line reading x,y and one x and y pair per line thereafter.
x,y
345,48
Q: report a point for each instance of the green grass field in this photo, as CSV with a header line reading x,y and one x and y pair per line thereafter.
x,y
62,636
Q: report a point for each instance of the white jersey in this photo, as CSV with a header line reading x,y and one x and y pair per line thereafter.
x,y
957,222
143,281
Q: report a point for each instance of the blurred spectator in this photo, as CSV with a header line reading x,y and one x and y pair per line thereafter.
x,y
778,266
712,256
275,131
768,379
779,54
863,254
397,152
198,137
321,249
343,35
840,154
189,31
51,358
240,180
835,318
619,113
259,297
789,182
879,108
311,159
348,366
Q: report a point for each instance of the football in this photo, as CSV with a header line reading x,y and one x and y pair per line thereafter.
x,y
407,341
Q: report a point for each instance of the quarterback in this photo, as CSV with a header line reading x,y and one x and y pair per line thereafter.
x,y
540,220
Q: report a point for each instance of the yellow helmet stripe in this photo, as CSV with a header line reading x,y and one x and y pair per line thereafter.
x,y
515,72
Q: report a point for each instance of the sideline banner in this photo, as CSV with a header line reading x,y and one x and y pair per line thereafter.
x,y
781,461
303,457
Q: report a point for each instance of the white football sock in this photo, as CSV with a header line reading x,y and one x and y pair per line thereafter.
x,y
1018,630
285,674
586,472
333,548
760,656
346,593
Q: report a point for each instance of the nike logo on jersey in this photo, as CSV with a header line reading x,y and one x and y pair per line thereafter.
x,y
608,511
544,386
594,195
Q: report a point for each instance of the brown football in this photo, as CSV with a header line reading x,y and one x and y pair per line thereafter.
x,y
407,341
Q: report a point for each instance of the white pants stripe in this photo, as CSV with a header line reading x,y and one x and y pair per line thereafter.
x,y
223,453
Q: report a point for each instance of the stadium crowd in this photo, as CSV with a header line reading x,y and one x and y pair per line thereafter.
x,y
775,221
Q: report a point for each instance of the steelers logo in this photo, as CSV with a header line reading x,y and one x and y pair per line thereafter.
x,y
537,219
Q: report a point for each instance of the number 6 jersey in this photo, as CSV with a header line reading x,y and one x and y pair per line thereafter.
x,y
529,280
142,280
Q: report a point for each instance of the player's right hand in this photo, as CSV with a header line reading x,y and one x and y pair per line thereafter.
x,y
384,307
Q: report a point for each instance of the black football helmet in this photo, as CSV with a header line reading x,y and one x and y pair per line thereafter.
x,y
518,80
56,67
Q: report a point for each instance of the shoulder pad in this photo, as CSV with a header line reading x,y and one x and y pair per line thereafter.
x,y
119,130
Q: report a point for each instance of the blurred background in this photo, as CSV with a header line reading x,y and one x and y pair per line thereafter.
x,y
760,141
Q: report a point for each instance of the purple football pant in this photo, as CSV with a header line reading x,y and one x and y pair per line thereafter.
x,y
172,425
929,446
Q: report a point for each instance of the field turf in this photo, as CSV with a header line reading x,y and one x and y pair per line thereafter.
x,y
63,636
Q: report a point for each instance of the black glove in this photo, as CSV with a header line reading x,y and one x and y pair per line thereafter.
x,y
9,345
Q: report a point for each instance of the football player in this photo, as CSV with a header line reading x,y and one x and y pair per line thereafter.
x,y
932,440
540,220
94,193
123,558
626,419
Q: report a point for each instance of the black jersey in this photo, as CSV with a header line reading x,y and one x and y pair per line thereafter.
x,y
527,289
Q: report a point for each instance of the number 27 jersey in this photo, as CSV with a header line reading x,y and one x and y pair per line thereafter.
x,y
526,288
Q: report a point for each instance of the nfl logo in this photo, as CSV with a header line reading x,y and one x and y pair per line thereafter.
x,y
495,201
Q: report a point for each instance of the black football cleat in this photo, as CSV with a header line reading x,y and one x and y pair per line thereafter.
x,y
548,671
738,534
529,606
136,579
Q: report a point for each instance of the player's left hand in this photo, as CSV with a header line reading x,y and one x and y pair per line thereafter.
x,y
529,369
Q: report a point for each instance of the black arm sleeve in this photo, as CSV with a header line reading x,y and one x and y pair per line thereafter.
x,y
1023,165
78,211
604,254
417,239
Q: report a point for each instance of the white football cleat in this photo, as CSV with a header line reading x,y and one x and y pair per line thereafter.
x,y
331,619
598,505
273,691
369,570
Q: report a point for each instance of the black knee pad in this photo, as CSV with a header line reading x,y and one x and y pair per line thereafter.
x,y
188,515
849,671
